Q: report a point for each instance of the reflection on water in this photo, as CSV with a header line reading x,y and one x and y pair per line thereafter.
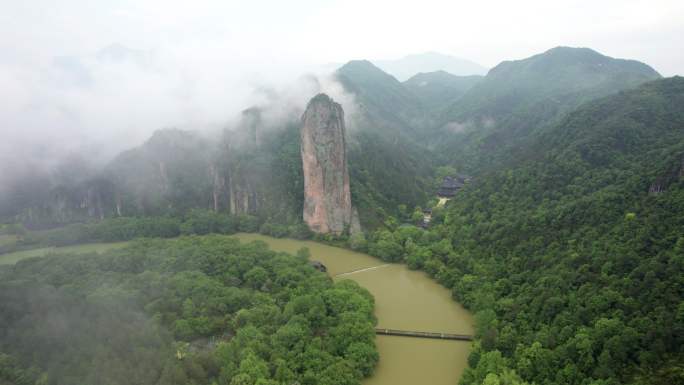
x,y
405,300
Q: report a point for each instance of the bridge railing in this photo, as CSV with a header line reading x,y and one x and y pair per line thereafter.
x,y
406,333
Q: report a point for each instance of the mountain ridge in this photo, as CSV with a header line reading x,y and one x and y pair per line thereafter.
x,y
410,65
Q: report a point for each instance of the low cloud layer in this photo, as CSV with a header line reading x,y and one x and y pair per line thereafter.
x,y
95,105
89,79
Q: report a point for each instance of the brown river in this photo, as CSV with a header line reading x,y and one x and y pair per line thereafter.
x,y
406,300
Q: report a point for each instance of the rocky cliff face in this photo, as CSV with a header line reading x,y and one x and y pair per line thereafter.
x,y
243,197
69,205
665,179
327,200
251,126
234,189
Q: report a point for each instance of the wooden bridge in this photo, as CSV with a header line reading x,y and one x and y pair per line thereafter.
x,y
405,333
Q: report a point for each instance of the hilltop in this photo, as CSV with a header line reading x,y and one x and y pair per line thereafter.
x,y
430,61
439,88
514,84
411,65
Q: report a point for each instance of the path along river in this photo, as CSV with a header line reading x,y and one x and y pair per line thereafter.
x,y
405,300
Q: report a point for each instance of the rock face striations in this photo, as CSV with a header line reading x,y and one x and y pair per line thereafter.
x,y
327,201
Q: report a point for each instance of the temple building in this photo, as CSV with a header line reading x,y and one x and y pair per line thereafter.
x,y
464,176
449,189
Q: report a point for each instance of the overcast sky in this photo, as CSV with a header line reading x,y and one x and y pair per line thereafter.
x,y
203,60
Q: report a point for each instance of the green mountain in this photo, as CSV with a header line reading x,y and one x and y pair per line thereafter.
x,y
384,102
519,100
571,255
439,88
514,84
387,167
181,170
410,65
488,149
575,220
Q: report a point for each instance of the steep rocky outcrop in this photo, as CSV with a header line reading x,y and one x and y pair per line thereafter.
x,y
234,189
665,179
243,197
327,200
74,204
252,127
220,187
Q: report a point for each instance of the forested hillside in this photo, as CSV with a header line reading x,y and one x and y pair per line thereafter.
x,y
440,88
124,316
519,99
569,256
489,149
513,84
384,102
227,173
177,171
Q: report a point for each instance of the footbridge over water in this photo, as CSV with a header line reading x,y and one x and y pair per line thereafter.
x,y
405,333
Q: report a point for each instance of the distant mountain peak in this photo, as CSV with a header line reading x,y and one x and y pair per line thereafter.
x,y
581,59
410,65
430,61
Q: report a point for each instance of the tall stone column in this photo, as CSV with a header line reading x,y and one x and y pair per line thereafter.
x,y
327,200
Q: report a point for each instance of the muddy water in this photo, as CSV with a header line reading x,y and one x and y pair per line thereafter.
x,y
406,300
12,258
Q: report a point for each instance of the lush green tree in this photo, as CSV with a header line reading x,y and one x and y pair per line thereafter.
x,y
257,276
127,314
364,355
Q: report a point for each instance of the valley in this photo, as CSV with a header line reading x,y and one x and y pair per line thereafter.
x,y
563,257
405,299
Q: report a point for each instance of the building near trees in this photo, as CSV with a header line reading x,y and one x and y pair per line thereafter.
x,y
450,187
318,266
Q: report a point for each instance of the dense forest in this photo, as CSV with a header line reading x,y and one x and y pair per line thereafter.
x,y
124,316
570,260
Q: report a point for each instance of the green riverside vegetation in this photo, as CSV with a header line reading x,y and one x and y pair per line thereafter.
x,y
124,317
574,271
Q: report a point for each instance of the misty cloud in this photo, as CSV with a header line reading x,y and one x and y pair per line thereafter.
x,y
98,104
456,127
90,79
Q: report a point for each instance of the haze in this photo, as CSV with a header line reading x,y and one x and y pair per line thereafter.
x,y
94,78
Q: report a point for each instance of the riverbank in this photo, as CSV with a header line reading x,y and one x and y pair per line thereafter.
x,y
404,299
12,258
